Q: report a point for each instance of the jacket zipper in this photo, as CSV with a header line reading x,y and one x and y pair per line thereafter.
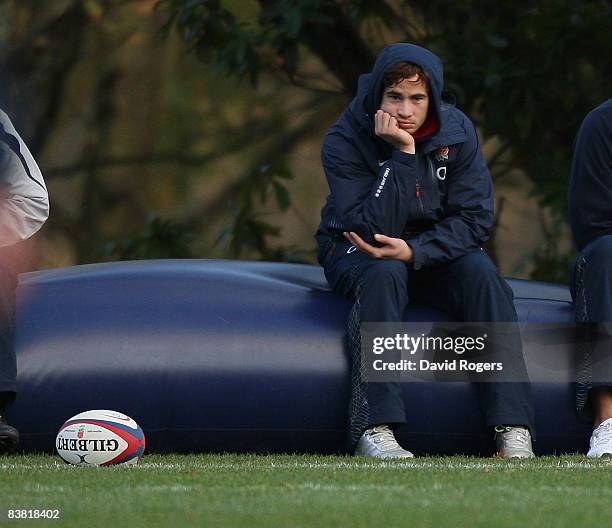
x,y
417,195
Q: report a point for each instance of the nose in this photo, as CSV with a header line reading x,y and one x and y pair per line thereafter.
x,y
405,109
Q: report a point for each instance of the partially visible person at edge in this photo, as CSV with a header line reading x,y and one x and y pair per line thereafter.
x,y
590,212
411,203
24,207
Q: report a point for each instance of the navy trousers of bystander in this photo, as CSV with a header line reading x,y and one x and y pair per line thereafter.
x,y
592,293
8,365
468,288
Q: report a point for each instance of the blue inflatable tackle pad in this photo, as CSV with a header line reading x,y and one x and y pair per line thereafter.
x,y
235,356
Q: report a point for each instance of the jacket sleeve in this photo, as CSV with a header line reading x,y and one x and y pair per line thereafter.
x,y
468,210
365,201
24,202
590,189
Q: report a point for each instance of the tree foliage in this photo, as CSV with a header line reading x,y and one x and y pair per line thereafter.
x,y
143,147
527,72
161,239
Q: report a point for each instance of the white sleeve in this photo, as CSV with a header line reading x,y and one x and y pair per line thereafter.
x,y
24,202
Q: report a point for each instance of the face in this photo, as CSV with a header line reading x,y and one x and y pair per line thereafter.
x,y
408,102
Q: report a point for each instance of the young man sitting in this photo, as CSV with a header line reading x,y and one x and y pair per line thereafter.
x,y
410,204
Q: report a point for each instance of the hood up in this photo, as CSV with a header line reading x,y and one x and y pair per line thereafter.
x,y
371,85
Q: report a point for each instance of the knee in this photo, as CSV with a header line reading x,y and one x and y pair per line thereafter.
x,y
476,268
600,251
477,272
386,271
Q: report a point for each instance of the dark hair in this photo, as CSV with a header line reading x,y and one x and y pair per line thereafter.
x,y
405,70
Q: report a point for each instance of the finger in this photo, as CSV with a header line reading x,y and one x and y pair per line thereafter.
x,y
363,245
387,252
378,122
355,238
351,238
385,121
384,239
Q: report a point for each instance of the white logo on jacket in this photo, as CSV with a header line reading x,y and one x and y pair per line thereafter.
x,y
382,182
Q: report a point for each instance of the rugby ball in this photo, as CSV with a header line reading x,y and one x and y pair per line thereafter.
x,y
100,438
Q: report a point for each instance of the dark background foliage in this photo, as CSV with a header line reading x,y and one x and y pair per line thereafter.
x,y
275,74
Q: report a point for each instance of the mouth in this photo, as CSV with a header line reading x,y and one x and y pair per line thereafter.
x,y
405,125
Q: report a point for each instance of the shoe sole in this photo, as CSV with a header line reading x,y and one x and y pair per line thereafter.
x,y
603,455
387,457
502,454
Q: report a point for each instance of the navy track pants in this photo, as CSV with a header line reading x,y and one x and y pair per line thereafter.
x,y
8,364
468,288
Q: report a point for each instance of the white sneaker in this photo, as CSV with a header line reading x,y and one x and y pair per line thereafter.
x,y
601,440
513,442
379,442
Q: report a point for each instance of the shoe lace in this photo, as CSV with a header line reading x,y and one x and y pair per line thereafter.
x,y
603,434
514,437
383,437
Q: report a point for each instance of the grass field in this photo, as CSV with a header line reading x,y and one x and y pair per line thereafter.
x,y
291,491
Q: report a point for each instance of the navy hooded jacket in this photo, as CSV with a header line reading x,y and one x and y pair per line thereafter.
x,y
590,191
373,186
